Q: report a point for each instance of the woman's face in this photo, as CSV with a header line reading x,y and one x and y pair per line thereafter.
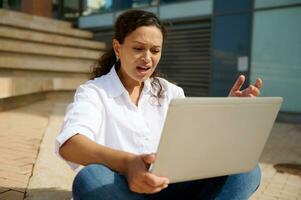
x,y
139,54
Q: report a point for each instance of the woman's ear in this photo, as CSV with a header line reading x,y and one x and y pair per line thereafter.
x,y
116,47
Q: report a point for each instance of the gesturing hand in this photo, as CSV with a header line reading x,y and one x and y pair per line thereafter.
x,y
138,177
251,91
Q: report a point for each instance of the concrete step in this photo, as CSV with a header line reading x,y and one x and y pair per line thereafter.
x,y
46,49
16,86
12,61
25,100
26,21
30,35
34,18
53,182
44,74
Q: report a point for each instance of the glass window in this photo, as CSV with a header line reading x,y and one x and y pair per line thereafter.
x,y
173,1
71,9
232,5
125,4
231,40
10,4
276,54
144,3
98,6
271,3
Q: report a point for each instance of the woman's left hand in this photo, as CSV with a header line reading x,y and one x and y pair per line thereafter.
x,y
251,91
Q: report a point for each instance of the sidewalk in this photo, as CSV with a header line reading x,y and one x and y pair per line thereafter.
x,y
30,170
22,153
281,164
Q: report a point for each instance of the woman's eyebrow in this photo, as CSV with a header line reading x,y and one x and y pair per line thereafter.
x,y
146,43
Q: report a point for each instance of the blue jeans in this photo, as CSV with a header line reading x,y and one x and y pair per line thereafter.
x,y
96,181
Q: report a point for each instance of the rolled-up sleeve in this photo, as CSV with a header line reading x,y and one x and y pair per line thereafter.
x,y
84,116
180,93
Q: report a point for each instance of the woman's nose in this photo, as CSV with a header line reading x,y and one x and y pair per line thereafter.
x,y
146,57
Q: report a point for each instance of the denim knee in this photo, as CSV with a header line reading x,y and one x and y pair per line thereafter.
x,y
91,177
254,177
249,182
240,186
98,182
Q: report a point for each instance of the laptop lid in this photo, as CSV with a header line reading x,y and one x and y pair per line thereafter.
x,y
208,137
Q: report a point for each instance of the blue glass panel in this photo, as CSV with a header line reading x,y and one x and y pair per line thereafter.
x,y
276,55
232,5
271,3
125,4
231,40
173,1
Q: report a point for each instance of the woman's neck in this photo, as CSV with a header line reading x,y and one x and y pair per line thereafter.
x,y
133,87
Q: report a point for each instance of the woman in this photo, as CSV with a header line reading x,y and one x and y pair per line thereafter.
x,y
114,124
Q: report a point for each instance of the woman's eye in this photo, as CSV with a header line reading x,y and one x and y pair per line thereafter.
x,y
138,48
156,51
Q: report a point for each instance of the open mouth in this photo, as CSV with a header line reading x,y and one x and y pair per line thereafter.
x,y
143,69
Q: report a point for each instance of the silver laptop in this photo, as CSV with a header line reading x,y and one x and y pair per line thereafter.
x,y
209,137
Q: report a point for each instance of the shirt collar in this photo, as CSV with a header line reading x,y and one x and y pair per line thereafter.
x,y
147,86
116,87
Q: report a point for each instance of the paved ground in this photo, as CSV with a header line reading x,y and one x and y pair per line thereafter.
x,y
30,170
21,132
281,164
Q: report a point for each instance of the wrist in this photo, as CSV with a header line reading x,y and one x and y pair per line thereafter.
x,y
125,165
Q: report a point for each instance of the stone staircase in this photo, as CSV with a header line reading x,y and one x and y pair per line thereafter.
x,y
40,57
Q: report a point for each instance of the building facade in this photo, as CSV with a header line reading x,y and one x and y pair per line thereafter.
x,y
211,42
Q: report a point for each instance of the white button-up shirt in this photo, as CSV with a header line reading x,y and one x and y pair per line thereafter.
x,y
103,111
